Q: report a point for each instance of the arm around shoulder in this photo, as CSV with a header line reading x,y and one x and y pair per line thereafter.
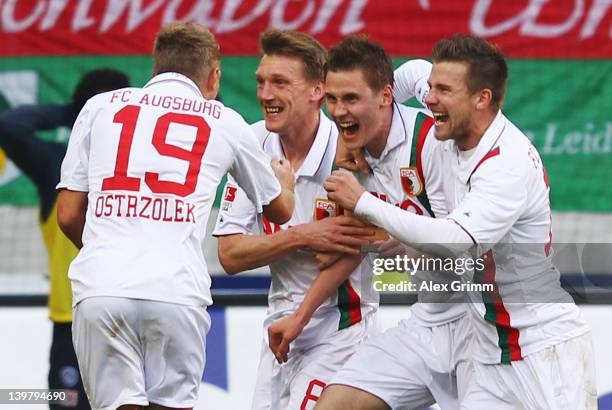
x,y
241,252
410,80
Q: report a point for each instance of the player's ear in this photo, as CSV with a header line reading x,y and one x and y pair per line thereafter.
x,y
318,91
484,98
212,83
386,95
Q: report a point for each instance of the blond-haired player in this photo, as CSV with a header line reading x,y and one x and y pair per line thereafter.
x,y
290,89
138,182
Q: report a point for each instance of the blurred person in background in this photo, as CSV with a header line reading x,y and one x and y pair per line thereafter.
x,y
41,160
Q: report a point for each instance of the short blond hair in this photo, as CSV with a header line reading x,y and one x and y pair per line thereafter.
x,y
186,48
296,44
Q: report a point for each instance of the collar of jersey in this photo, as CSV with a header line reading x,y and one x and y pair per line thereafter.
x,y
397,135
175,78
315,155
489,140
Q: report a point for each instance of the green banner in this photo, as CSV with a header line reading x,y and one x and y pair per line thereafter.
x,y
562,105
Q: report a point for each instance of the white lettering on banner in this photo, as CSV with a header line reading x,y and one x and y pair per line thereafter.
x,y
9,22
200,12
81,19
351,22
53,12
226,22
326,11
535,29
527,20
47,13
598,11
576,142
277,17
136,14
424,4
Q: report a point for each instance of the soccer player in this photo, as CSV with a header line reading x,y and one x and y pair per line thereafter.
x,y
531,348
137,186
41,161
418,362
290,90
412,81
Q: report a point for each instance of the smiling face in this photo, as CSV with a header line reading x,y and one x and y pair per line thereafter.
x,y
284,92
360,113
450,100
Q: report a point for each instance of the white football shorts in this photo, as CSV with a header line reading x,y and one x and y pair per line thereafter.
x,y
298,384
412,366
133,351
560,377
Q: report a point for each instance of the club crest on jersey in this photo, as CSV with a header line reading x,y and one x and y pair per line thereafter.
x,y
324,208
411,182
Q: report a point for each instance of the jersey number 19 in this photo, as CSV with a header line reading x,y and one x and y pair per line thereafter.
x,y
128,117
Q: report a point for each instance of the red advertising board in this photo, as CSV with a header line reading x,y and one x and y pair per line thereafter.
x,y
523,28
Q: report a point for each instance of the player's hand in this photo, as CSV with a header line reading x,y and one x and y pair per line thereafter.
x,y
342,234
344,189
326,259
284,173
390,248
281,333
351,160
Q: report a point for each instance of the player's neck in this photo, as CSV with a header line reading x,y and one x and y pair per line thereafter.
x,y
297,141
477,130
377,145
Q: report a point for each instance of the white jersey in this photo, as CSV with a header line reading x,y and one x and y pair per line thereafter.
x,y
150,159
500,197
293,274
405,176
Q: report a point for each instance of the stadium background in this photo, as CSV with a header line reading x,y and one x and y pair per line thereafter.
x,y
560,94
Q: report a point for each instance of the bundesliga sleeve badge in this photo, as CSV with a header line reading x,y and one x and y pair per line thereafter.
x,y
228,197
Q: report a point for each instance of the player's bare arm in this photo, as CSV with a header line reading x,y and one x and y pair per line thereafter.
x,y
280,209
240,252
410,229
282,332
71,210
342,234
380,239
326,259
344,189
353,160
